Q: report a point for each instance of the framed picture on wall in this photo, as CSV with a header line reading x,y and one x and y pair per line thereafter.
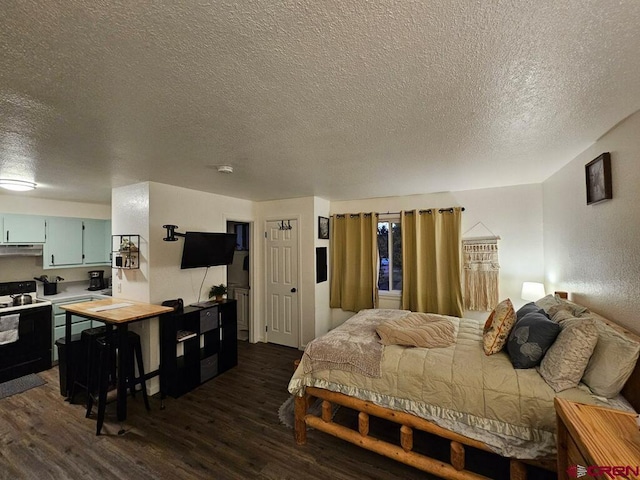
x,y
598,177
323,228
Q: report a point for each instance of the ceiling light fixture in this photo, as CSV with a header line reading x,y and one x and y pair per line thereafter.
x,y
225,169
17,185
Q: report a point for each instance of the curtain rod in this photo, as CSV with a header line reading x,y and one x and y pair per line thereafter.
x,y
430,210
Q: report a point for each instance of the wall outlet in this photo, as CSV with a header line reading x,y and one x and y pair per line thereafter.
x,y
119,287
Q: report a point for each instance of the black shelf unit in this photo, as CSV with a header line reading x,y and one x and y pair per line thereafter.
x,y
188,361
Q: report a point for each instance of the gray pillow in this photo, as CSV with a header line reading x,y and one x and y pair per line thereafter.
x,y
530,339
528,308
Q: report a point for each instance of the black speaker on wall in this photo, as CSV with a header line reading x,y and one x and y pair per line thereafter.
x,y
321,264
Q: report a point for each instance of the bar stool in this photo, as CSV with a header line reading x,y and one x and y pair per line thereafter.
x,y
84,358
102,373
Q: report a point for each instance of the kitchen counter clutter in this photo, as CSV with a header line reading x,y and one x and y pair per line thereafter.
x,y
72,290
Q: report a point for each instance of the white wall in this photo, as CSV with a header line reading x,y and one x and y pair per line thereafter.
x,y
25,268
323,324
56,208
593,251
513,213
130,216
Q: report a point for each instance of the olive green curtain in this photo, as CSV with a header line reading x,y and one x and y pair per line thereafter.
x,y
431,280
354,261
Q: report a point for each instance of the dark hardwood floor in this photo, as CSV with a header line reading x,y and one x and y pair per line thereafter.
x,y
227,428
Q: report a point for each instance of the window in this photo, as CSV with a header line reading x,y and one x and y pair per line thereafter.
x,y
390,253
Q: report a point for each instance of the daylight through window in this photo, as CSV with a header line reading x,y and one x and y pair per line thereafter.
x,y
390,252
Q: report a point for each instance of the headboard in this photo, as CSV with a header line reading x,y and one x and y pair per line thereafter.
x,y
631,390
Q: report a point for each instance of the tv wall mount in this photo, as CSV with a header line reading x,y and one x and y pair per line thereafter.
x,y
172,235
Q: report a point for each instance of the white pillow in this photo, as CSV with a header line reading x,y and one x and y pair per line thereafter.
x,y
612,362
564,363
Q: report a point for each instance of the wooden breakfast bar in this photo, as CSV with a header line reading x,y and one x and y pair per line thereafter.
x,y
118,313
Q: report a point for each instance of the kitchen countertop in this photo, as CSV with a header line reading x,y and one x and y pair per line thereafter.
x,y
72,290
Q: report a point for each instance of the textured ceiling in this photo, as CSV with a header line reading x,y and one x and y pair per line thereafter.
x,y
336,99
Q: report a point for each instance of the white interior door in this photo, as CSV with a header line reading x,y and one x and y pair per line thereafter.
x,y
282,283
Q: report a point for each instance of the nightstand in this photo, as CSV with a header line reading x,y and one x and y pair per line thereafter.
x,y
589,435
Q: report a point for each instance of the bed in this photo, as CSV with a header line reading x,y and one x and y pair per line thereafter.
x,y
492,406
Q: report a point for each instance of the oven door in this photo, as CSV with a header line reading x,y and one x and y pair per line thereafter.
x,y
31,353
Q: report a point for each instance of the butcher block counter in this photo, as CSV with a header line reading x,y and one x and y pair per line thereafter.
x,y
116,310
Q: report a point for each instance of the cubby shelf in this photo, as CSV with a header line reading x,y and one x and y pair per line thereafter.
x,y
197,344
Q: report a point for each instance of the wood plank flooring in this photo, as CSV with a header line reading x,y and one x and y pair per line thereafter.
x,y
227,428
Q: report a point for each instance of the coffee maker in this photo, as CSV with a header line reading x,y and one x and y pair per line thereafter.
x,y
96,280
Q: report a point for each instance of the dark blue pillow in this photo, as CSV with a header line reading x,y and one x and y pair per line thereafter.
x,y
529,308
530,339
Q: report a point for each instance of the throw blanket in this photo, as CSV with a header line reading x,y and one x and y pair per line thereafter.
x,y
351,347
426,330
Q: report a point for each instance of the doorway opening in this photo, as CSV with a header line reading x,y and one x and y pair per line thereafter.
x,y
238,275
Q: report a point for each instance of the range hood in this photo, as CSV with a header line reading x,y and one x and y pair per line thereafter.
x,y
20,250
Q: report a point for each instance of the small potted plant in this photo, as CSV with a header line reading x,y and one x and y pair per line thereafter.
x,y
127,246
217,291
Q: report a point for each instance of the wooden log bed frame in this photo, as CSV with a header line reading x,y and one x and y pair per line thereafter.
x,y
404,453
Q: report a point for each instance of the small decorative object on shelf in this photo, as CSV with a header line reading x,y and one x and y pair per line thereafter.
x,y
126,249
217,291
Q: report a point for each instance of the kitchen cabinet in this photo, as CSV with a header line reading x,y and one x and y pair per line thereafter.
x,y
64,242
78,323
196,344
96,242
23,229
74,242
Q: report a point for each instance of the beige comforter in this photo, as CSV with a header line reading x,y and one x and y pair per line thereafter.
x,y
459,388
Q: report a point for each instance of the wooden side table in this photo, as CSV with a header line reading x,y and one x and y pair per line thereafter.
x,y
604,442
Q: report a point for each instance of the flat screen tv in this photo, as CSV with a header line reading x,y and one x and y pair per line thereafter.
x,y
203,249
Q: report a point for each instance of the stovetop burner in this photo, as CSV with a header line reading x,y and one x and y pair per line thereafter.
x,y
34,303
7,289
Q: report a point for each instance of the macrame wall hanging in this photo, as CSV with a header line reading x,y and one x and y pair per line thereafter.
x,y
481,271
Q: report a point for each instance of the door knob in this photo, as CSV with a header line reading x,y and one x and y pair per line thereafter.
x,y
293,290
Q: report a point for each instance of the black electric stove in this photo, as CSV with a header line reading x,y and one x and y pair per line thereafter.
x,y
27,350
